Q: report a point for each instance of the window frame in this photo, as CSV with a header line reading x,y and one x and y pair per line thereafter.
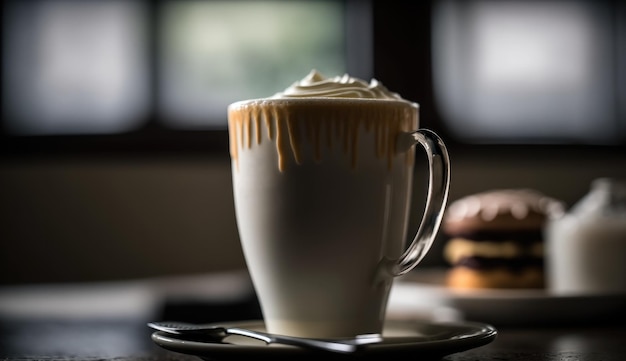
x,y
400,30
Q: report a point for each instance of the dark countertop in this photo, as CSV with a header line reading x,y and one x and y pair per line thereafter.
x,y
130,340
112,329
574,343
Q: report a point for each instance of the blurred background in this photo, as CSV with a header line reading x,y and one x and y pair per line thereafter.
x,y
114,156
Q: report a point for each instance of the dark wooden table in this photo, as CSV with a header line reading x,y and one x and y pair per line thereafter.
x,y
130,340
573,343
81,335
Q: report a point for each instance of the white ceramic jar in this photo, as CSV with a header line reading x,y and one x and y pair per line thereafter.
x,y
586,248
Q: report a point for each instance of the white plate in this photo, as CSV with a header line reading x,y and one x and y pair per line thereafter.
x,y
423,294
400,339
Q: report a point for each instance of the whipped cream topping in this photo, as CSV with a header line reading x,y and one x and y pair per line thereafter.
x,y
316,85
316,115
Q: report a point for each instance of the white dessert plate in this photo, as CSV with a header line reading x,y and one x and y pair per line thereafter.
x,y
400,339
423,294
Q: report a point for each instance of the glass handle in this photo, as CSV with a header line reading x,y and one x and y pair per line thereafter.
x,y
438,187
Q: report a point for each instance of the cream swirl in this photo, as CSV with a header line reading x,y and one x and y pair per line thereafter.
x,y
316,85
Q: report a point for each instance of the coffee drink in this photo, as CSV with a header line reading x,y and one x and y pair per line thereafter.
x,y
322,180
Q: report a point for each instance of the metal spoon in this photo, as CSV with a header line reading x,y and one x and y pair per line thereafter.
x,y
218,333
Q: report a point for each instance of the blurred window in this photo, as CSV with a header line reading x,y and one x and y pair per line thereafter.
x,y
530,71
73,67
216,52
113,66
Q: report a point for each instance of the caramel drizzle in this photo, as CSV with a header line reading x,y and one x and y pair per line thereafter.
x,y
290,132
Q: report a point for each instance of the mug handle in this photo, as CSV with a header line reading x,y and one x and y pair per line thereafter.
x,y
438,187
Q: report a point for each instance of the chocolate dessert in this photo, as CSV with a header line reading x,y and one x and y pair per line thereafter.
x,y
496,239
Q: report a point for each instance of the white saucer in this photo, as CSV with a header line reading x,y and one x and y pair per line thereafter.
x,y
426,291
400,339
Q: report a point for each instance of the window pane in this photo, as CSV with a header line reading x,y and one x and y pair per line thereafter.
x,y
218,52
527,71
73,66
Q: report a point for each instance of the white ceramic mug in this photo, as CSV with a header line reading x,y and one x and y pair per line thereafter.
x,y
322,188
